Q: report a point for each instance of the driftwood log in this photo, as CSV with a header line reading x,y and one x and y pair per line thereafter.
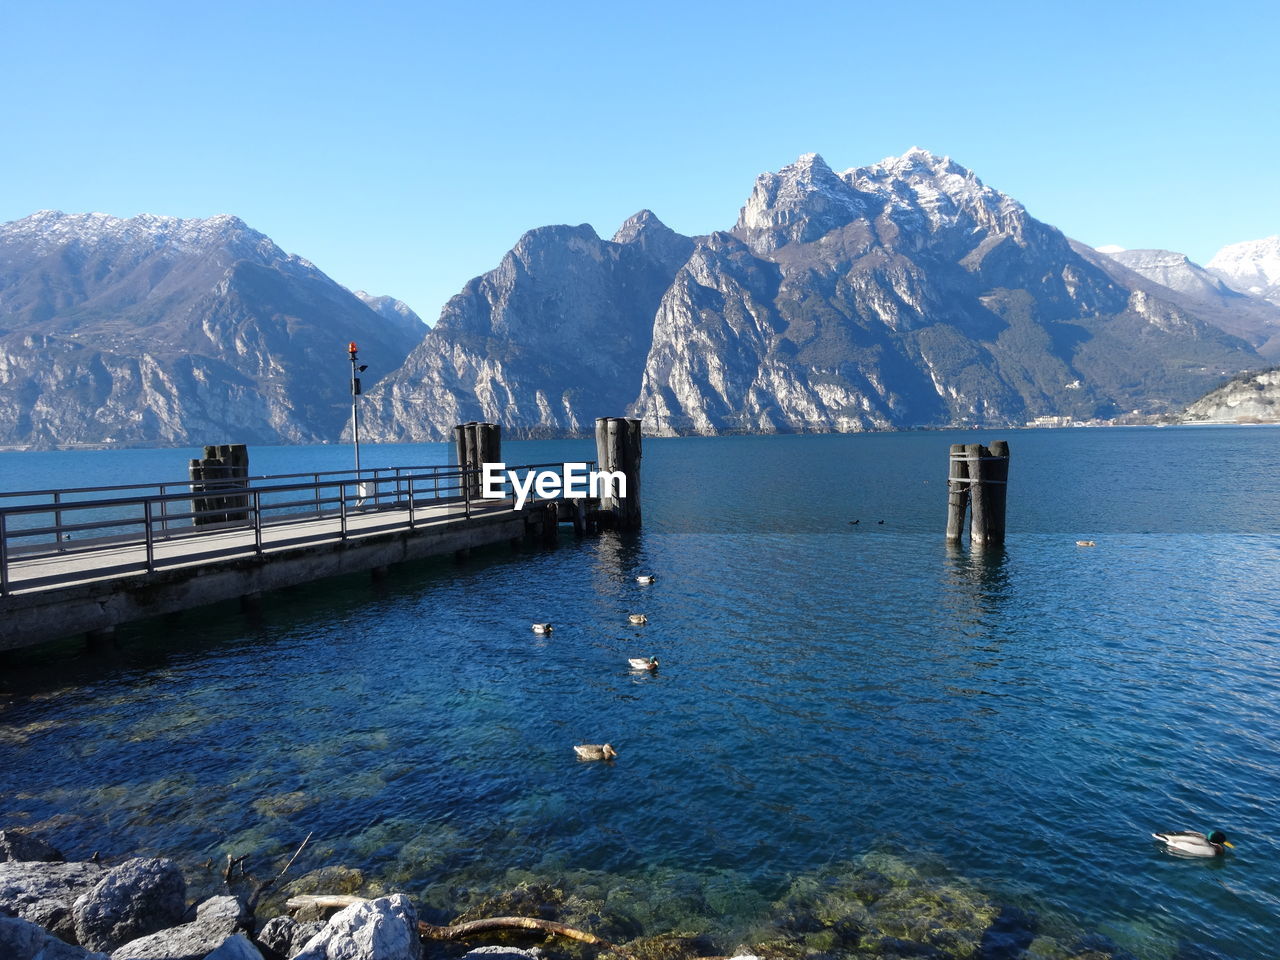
x,y
456,931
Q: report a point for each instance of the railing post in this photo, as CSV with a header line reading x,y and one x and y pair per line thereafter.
x,y
342,508
57,519
257,522
151,550
315,480
411,514
466,491
4,558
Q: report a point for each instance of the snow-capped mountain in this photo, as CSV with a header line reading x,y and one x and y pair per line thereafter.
x,y
1193,288
157,329
1252,267
904,293
907,293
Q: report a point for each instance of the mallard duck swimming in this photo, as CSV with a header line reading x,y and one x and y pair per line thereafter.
x,y
1192,843
638,618
542,628
643,663
595,751
646,578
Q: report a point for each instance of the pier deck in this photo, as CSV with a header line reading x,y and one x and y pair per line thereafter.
x,y
135,557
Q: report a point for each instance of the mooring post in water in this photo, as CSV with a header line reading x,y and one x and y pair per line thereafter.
x,y
987,473
223,466
488,449
619,450
957,493
998,472
477,444
976,455
473,459
550,523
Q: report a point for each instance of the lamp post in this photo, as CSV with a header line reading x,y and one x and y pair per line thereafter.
x,y
357,368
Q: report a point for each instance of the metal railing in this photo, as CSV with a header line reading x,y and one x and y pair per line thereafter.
x,y
54,537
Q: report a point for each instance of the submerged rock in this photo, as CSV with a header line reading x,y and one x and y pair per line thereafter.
x,y
136,898
501,953
43,893
382,929
21,846
883,907
23,940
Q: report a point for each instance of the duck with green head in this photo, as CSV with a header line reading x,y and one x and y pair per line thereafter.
x,y
1192,843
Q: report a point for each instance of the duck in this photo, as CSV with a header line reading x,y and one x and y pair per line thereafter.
x,y
1085,543
1192,843
595,751
638,618
646,578
643,663
542,628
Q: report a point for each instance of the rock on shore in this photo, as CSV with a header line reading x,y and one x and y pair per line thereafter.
x,y
134,899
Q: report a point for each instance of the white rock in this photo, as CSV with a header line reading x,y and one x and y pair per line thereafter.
x,y
382,929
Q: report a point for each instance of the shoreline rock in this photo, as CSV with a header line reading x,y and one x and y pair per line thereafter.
x,y
139,897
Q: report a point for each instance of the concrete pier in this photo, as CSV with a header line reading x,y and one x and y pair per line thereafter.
x,y
51,597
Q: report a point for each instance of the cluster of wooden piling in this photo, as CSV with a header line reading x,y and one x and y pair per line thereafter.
x,y
478,444
978,480
224,467
618,449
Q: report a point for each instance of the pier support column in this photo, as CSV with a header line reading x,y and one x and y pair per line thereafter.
x,y
619,450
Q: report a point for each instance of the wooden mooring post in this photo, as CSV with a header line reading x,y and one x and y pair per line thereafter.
x,y
224,467
477,444
978,478
618,450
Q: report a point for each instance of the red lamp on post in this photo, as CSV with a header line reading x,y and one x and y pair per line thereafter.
x,y
357,368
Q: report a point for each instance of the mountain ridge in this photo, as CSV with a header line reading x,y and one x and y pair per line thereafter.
x,y
903,293
157,329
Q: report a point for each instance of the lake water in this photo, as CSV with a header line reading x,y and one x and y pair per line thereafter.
x,y
837,703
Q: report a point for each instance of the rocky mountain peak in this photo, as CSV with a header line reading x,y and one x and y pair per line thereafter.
x,y
638,225
647,236
798,204
396,312
938,192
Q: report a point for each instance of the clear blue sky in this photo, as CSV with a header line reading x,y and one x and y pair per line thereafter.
x,y
404,147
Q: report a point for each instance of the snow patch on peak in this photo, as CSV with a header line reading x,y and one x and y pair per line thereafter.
x,y
939,188
1252,266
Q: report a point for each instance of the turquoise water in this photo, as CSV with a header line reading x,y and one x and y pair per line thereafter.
x,y
1018,721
